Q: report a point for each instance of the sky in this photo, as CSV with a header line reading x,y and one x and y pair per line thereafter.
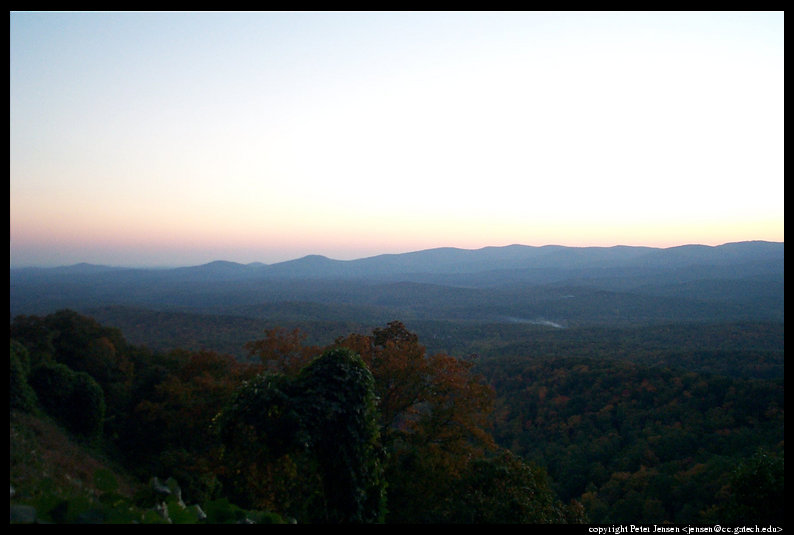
x,y
180,138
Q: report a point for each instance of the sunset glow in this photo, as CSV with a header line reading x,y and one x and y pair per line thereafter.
x,y
166,139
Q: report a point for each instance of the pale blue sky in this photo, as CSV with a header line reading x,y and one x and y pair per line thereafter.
x,y
182,138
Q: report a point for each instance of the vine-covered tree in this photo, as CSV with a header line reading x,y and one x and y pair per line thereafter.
x,y
309,446
338,406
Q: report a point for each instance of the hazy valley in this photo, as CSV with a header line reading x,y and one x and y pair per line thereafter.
x,y
547,286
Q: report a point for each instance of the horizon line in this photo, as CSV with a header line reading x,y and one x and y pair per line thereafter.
x,y
219,260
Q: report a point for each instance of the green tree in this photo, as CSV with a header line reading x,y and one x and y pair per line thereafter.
x,y
73,398
21,395
53,386
33,333
308,446
755,492
84,345
86,404
266,463
505,489
339,409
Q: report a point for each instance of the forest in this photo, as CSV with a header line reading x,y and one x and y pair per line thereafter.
x,y
598,386
374,428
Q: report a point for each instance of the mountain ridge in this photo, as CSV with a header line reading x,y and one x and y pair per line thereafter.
x,y
741,280
458,260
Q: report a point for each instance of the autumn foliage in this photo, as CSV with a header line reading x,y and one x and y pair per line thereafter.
x,y
282,351
374,428
370,428
434,416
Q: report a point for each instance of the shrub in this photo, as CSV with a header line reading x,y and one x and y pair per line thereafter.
x,y
72,398
86,406
21,395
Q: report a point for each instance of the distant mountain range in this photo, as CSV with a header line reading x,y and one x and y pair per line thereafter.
x,y
455,261
556,284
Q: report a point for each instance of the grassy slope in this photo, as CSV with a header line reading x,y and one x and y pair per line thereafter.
x,y
46,461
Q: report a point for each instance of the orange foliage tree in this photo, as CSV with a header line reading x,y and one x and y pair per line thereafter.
x,y
177,419
282,351
432,401
434,418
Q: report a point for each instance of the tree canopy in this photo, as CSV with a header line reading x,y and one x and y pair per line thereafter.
x,y
319,427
